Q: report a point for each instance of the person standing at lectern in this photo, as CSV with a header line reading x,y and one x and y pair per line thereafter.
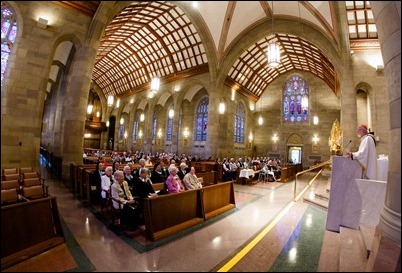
x,y
366,156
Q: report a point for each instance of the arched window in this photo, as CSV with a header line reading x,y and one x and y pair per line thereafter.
x,y
121,129
169,129
8,34
154,119
295,99
135,131
239,119
202,120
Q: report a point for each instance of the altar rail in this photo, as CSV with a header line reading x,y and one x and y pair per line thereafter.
x,y
168,214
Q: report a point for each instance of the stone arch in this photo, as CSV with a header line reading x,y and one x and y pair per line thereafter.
x,y
294,139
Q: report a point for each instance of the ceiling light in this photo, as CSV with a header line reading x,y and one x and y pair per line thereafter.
x,y
273,50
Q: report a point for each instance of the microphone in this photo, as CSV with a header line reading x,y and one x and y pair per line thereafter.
x,y
346,146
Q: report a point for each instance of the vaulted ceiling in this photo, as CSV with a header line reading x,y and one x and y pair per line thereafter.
x,y
157,38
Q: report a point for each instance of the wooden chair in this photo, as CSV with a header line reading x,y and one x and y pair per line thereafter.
x,y
33,192
35,182
26,170
14,176
10,184
9,171
9,196
30,175
29,182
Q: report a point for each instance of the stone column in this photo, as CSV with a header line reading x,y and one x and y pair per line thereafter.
x,y
79,85
75,111
348,119
386,249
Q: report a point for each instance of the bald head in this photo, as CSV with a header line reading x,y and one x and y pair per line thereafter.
x,y
362,130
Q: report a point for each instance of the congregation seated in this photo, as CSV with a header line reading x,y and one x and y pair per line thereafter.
x,y
272,165
227,173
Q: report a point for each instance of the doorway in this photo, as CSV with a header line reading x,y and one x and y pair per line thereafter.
x,y
295,154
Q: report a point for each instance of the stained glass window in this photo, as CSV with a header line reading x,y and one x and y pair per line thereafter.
x,y
239,120
169,129
180,119
295,99
8,34
135,131
121,131
154,127
202,120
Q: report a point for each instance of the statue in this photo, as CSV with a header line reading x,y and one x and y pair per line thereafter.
x,y
335,138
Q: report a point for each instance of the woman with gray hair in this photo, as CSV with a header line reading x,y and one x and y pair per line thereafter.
x,y
173,181
123,201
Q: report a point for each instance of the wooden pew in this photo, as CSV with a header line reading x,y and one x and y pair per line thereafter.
x,y
28,229
79,178
209,177
209,166
86,186
171,213
289,172
217,199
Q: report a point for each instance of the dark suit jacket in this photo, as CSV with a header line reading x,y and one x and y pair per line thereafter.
x,y
157,177
141,189
181,174
130,181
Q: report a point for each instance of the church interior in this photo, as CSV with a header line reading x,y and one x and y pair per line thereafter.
x,y
201,82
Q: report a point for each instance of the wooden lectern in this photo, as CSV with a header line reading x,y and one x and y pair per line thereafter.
x,y
345,201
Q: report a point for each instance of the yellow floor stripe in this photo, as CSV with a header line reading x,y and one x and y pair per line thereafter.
x,y
232,262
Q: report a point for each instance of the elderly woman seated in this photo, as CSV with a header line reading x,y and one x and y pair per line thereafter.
x,y
173,182
190,180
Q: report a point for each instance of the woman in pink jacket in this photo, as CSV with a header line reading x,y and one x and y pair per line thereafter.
x,y
173,181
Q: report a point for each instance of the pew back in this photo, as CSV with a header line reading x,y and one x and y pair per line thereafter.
x,y
171,213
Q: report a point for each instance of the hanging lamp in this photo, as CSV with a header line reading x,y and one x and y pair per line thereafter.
x,y
273,49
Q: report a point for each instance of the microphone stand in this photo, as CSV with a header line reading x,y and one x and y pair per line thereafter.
x,y
346,146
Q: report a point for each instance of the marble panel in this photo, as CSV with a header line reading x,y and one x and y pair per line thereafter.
x,y
345,202
373,197
382,168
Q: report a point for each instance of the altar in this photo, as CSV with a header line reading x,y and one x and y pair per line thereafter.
x,y
246,174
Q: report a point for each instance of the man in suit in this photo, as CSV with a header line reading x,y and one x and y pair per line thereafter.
x,y
183,170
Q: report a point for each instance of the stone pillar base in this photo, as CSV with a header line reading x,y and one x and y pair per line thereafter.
x,y
385,255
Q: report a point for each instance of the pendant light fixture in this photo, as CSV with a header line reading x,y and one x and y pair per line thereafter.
x,y
273,49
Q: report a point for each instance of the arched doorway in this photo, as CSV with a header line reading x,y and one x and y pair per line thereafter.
x,y
295,149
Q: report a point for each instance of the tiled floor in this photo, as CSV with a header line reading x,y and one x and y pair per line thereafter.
x,y
266,231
